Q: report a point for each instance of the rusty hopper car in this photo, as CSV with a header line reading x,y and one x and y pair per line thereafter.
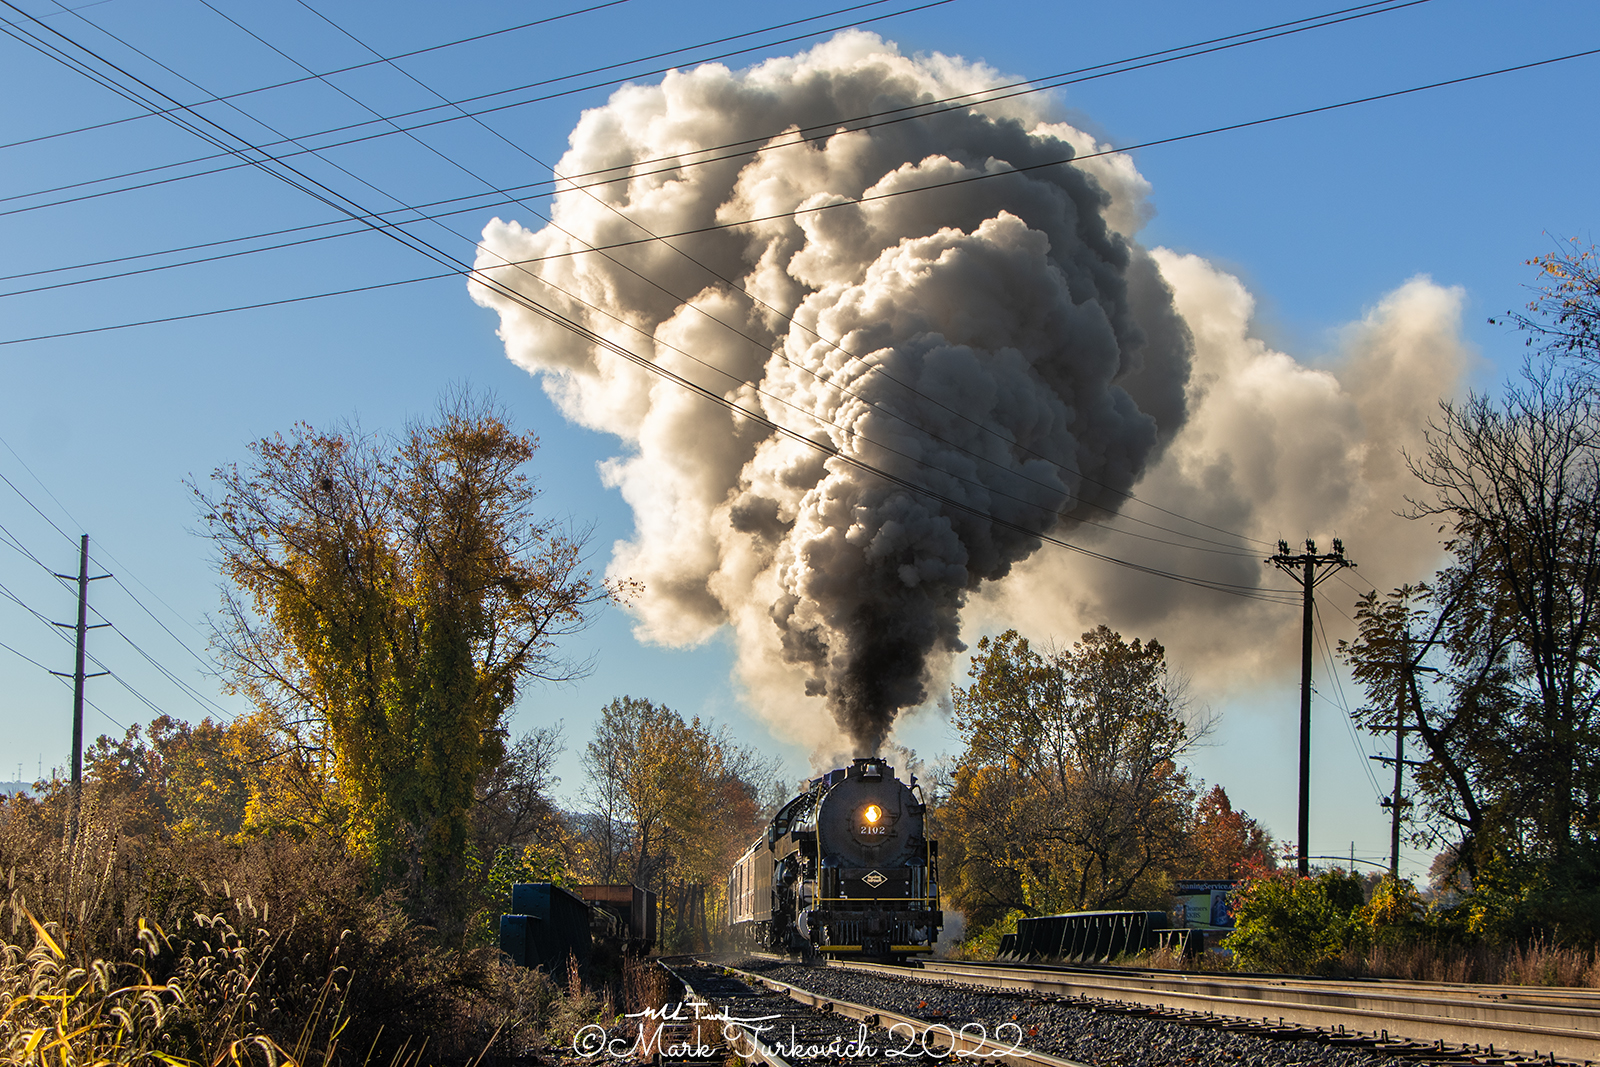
x,y
844,869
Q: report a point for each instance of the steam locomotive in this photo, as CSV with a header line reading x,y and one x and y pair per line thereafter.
x,y
843,869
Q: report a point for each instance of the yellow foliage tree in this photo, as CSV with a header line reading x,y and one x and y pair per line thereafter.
x,y
394,595
676,802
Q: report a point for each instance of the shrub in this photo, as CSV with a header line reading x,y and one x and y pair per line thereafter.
x,y
1283,922
983,943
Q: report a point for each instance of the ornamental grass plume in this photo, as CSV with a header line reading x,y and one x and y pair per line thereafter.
x,y
52,1012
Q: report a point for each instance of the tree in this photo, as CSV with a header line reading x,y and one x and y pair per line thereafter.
x,y
639,773
514,809
1517,481
1563,320
676,803
1287,923
1068,795
394,595
185,779
1460,724
1225,843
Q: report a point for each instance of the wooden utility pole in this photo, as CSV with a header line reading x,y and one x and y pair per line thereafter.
x,y
1398,802
1303,569
78,678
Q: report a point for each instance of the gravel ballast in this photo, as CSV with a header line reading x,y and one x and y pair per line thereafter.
x,y
1062,1028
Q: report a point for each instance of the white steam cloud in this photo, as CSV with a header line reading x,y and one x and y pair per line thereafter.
x,y
1272,448
999,341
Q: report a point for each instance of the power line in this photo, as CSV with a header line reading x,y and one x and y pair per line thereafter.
x,y
177,107
765,348
1051,513
762,143
230,310
299,180
51,626
27,657
13,541
377,218
439,256
368,220
296,81
1344,705
1129,518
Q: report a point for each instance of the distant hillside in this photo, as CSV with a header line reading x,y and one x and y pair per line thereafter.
x,y
8,788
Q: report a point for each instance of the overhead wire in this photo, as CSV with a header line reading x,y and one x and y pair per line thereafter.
x,y
572,325
1358,591
379,218
162,112
1129,518
437,254
14,542
59,675
30,659
763,142
467,271
765,348
92,657
1343,704
647,363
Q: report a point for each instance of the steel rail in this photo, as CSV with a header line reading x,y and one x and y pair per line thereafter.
x,y
1589,998
951,1038
755,1049
1467,1018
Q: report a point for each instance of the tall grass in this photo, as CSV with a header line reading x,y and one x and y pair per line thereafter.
x,y
139,946
1536,964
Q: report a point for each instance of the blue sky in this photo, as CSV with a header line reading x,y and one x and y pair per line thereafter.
x,y
1320,217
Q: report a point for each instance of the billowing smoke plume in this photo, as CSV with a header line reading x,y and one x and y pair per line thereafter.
x,y
1000,343
1272,448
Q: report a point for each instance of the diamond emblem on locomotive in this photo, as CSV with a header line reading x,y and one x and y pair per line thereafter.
x,y
874,879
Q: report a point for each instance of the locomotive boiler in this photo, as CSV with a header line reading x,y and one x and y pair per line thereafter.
x,y
843,869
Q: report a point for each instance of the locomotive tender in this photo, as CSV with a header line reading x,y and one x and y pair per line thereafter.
x,y
843,869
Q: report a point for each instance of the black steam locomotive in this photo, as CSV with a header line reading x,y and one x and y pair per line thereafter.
x,y
844,869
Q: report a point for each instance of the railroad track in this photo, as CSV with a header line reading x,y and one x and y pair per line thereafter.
x,y
1488,1023
780,1024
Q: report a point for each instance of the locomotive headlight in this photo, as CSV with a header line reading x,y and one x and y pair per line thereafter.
x,y
872,814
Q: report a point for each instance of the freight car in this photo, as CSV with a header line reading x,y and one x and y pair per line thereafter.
x,y
550,926
844,869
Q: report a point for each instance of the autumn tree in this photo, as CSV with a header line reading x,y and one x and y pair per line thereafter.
x,y
1225,842
674,802
1563,319
1495,663
181,778
392,595
1068,795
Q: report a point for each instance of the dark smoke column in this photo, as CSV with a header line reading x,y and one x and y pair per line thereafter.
x,y
984,375
1000,343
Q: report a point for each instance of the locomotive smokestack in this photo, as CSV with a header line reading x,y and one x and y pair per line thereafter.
x,y
985,358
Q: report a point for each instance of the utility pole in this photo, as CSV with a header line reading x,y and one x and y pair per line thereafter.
x,y
78,678
1304,569
1398,802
